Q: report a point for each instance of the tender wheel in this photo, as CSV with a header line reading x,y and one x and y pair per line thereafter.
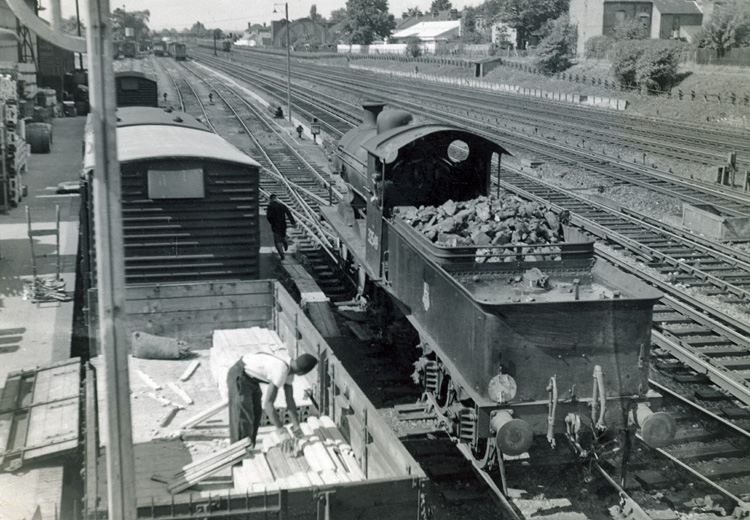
x,y
483,452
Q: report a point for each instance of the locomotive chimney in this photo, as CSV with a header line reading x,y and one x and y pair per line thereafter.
x,y
370,111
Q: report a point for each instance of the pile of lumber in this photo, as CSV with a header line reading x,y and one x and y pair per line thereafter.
x,y
497,220
229,345
323,457
197,471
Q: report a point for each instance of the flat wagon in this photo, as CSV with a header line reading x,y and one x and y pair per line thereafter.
x,y
382,479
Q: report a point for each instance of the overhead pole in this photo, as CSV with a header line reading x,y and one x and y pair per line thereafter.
x,y
110,265
288,63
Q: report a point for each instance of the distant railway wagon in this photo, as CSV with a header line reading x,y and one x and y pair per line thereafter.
x,y
160,49
178,50
136,89
189,200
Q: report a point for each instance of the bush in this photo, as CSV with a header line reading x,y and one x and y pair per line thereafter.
x,y
657,67
630,30
556,51
598,46
649,65
413,48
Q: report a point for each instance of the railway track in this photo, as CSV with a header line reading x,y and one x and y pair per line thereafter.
x,y
631,504
420,97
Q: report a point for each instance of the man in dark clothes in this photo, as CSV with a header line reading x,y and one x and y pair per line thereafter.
x,y
277,213
246,402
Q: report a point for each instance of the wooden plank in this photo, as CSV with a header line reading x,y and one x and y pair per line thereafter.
x,y
322,316
217,317
198,289
205,303
189,370
205,414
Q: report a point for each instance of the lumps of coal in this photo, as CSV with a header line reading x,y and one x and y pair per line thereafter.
x,y
496,220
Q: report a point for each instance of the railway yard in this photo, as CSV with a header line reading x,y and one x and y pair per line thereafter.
x,y
669,291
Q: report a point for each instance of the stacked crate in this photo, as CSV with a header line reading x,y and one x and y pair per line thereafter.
x,y
14,148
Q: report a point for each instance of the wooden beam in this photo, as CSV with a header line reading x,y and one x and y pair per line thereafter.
x,y
27,17
110,254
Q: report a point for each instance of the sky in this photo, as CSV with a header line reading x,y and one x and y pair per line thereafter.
x,y
233,14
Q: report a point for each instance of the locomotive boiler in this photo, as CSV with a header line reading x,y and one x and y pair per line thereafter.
x,y
520,340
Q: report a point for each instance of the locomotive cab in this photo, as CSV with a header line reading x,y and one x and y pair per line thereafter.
x,y
391,161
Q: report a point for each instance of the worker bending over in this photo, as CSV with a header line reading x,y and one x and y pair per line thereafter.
x,y
246,401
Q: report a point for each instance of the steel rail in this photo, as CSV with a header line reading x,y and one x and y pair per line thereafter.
x,y
543,148
663,389
311,224
717,375
282,135
177,89
609,118
302,204
633,245
699,476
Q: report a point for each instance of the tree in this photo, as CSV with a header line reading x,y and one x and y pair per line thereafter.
x,y
413,47
136,20
525,16
440,5
557,49
630,30
470,31
728,28
597,47
647,64
70,26
366,20
199,30
337,16
314,16
656,70
412,12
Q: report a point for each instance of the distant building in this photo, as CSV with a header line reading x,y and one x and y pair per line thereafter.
x,y
429,31
255,36
302,32
663,19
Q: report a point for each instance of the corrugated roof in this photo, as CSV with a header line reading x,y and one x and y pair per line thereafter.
x,y
676,7
428,29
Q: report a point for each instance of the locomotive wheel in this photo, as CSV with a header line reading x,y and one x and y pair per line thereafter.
x,y
445,394
483,452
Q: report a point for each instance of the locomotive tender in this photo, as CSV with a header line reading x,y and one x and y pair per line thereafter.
x,y
517,341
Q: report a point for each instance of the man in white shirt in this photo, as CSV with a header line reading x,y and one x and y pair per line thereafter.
x,y
246,400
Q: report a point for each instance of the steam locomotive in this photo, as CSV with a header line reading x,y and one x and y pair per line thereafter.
x,y
518,341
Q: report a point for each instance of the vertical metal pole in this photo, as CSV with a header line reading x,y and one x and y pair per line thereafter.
x,y
78,30
57,245
110,266
288,64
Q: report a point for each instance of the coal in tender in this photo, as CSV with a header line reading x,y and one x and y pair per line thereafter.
x,y
496,220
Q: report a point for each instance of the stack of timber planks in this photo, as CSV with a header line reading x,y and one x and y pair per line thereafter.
x,y
197,471
323,458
